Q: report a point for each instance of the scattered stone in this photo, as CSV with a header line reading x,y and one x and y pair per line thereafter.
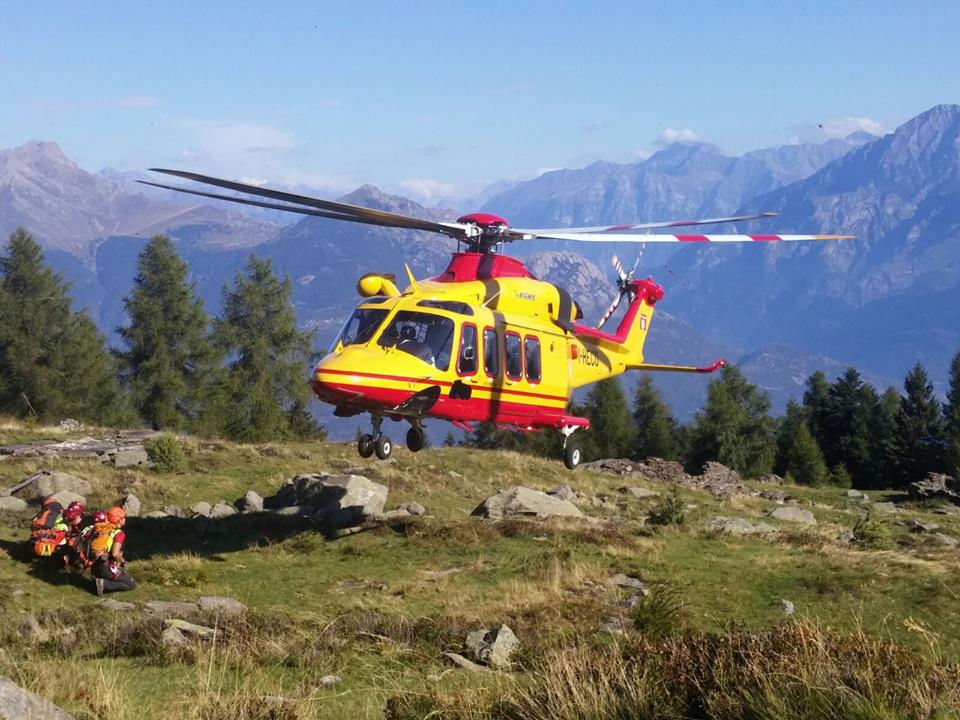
x,y
220,604
201,509
189,629
944,540
668,472
613,465
44,483
604,503
115,605
461,661
19,704
738,526
564,492
170,607
328,680
638,492
772,478
886,507
133,456
936,486
172,637
70,425
719,480
788,608
155,514
414,508
131,503
493,647
519,500
250,502
919,526
626,581
13,504
793,514
222,509
777,496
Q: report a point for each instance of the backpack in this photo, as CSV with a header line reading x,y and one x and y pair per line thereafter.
x,y
101,539
46,542
80,544
47,518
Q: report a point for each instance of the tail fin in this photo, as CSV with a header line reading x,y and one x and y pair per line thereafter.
x,y
627,341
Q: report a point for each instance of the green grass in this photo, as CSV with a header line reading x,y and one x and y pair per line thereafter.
x,y
424,584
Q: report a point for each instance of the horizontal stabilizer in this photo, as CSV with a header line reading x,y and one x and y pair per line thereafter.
x,y
653,367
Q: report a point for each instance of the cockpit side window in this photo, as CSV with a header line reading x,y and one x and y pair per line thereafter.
x,y
424,335
361,326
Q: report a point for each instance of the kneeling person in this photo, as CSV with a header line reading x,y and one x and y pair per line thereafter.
x,y
106,549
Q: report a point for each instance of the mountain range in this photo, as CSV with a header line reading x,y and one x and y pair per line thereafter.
x,y
881,301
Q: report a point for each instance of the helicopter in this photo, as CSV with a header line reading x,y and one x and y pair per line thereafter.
x,y
485,340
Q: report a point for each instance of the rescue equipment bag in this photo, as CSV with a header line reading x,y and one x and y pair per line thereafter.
x,y
47,518
46,542
101,539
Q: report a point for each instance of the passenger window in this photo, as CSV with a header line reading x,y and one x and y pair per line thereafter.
x,y
531,354
467,359
514,358
491,352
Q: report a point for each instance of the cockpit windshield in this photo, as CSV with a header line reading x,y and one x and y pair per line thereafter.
x,y
361,326
425,336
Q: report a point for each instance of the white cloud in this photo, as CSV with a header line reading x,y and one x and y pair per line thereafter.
x,y
841,127
426,190
138,102
684,135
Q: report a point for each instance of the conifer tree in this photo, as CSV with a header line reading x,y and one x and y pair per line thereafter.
x,y
656,430
169,358
844,424
883,440
920,435
264,385
804,460
734,427
611,433
53,363
795,416
815,400
951,418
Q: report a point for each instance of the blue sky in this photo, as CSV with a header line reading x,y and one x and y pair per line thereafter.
x,y
440,98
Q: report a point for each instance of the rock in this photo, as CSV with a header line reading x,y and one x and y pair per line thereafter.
x,y
155,514
738,526
772,478
638,492
944,540
855,494
337,501
777,496
172,637
846,537
629,603
167,607
564,492
461,661
65,497
493,647
626,581
719,480
787,607
222,509
919,526
131,503
45,483
603,502
414,508
886,507
454,475
328,680
174,511
612,465
19,704
13,504
614,626
793,514
947,510
395,514
936,486
190,630
668,472
70,425
132,456
115,605
518,500
201,509
250,502
32,631
220,604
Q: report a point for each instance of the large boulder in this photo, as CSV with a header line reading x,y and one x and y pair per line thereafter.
x,y
19,704
65,497
794,514
220,604
130,456
222,509
45,483
131,503
250,502
738,526
936,486
13,504
493,647
337,500
519,500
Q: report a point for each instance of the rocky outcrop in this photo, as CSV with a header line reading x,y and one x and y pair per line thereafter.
x,y
717,479
44,483
19,704
936,486
125,449
335,501
523,501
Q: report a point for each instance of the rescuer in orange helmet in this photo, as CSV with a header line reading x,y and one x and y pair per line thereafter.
x,y
106,550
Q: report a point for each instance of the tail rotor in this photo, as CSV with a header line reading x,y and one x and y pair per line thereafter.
x,y
624,287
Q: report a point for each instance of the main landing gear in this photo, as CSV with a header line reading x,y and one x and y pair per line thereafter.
x,y
378,442
382,445
571,449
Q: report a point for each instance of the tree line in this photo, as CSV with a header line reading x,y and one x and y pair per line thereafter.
x,y
843,432
239,375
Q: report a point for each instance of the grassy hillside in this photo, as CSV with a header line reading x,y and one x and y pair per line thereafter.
x,y
378,608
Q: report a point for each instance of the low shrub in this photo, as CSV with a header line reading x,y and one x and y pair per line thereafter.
x,y
671,510
660,614
872,532
165,453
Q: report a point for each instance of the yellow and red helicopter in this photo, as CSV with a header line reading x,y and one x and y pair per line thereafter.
x,y
485,340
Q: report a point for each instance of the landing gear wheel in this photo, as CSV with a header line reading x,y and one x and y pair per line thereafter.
x,y
571,455
365,446
415,439
383,447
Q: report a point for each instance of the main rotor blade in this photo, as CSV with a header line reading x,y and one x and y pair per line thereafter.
x,y
644,226
378,217
637,238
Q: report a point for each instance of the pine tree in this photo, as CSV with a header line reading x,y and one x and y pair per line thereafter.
x,y
844,426
656,430
611,433
920,434
53,363
734,427
264,386
804,460
951,418
795,416
815,400
883,440
168,359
